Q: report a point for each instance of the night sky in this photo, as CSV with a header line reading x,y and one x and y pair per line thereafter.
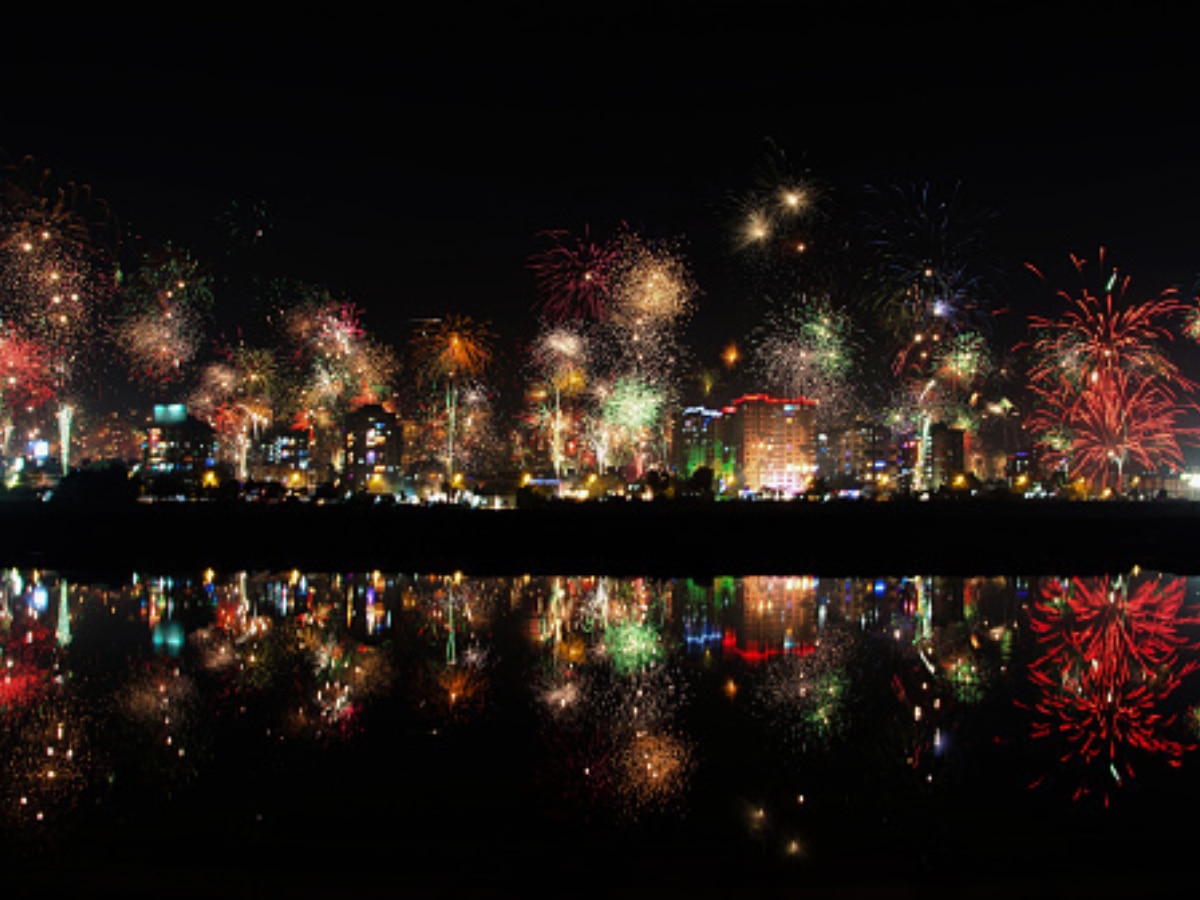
x,y
410,160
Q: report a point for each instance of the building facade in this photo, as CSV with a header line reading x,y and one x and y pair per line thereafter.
x,y
177,443
373,451
772,442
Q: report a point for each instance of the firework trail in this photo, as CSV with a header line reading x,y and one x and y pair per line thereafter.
x,y
451,355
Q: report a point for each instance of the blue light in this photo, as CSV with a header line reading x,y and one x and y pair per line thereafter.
x,y
169,637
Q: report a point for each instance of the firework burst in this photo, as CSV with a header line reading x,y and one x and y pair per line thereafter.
x,y
806,349
573,277
451,354
1110,660
1108,392
167,301
1103,331
652,288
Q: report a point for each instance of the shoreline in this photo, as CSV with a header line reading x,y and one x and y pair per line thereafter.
x,y
670,539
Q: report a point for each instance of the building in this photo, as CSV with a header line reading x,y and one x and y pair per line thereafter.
x,y
282,454
177,443
946,457
116,435
698,441
860,454
771,441
373,451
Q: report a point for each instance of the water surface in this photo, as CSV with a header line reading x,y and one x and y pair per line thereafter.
x,y
308,732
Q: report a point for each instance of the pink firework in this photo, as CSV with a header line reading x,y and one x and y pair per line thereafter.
x,y
324,328
573,277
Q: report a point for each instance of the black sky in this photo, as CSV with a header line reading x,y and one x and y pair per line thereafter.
x,y
409,158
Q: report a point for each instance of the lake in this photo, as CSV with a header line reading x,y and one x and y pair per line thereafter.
x,y
309,733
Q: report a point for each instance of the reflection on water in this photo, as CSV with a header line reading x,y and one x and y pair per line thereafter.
x,y
795,722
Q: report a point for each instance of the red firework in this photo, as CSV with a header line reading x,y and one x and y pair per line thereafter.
x,y
1110,660
26,379
1119,421
1107,388
573,277
1100,333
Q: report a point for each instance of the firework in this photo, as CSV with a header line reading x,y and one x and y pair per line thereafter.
x,y
167,298
26,383
334,366
653,772
771,218
1119,421
1191,322
52,277
926,285
1108,392
1102,332
609,714
559,351
560,359
573,277
237,395
163,738
652,287
962,361
629,413
806,349
806,695
1110,660
454,351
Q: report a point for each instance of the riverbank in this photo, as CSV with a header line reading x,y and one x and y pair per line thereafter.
x,y
667,539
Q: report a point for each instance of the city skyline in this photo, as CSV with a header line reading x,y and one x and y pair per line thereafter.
x,y
420,183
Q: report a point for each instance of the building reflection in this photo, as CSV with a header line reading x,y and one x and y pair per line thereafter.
x,y
157,685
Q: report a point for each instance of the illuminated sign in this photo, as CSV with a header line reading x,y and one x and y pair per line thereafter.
x,y
169,413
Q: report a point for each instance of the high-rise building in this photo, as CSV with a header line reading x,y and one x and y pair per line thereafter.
x,y
373,447
772,442
947,455
698,442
